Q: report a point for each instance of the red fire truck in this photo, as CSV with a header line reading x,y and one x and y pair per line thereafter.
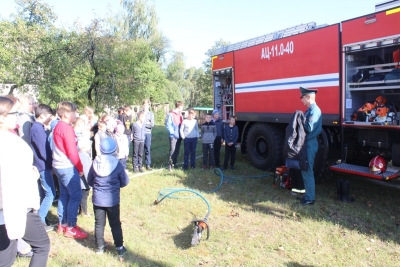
x,y
352,64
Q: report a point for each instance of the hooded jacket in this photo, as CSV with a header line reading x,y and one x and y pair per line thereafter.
x,y
107,176
295,140
173,124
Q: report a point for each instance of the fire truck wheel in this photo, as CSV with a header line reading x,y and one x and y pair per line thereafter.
x,y
264,146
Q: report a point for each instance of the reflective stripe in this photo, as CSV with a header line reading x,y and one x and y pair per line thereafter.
x,y
324,80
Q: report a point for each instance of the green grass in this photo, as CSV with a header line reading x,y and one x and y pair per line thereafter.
x,y
251,223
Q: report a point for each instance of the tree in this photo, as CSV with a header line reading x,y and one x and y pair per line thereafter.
x,y
104,64
23,39
204,83
140,22
36,13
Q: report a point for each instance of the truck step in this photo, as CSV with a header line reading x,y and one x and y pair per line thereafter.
x,y
364,171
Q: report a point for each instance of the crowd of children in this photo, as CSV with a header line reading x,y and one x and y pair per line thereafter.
x,y
70,154
75,154
213,134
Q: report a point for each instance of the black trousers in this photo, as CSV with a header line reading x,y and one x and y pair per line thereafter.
x,y
208,155
100,214
85,195
217,150
35,235
138,148
230,152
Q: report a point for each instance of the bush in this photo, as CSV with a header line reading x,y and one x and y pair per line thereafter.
x,y
159,117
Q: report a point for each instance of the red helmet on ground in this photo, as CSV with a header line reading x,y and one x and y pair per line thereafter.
x,y
377,165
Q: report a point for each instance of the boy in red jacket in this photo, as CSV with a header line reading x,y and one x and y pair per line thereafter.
x,y
68,168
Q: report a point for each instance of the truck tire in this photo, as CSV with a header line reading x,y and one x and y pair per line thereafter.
x,y
264,146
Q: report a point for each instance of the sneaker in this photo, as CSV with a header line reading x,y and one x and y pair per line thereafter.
x,y
223,169
232,168
204,167
307,202
75,233
141,170
61,229
136,170
121,251
100,250
148,168
175,166
25,255
48,228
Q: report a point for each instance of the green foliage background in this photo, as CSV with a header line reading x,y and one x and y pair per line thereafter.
x,y
113,61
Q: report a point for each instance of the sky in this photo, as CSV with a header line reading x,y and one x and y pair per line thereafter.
x,y
193,26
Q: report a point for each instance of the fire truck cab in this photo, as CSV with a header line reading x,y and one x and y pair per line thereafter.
x,y
354,65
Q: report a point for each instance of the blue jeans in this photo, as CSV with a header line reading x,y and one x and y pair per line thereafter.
x,y
147,145
70,195
49,190
190,145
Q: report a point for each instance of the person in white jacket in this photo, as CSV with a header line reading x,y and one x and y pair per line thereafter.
x,y
19,196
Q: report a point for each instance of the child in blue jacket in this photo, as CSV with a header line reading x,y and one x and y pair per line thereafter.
x,y
106,177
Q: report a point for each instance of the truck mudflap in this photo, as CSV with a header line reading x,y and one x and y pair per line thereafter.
x,y
364,171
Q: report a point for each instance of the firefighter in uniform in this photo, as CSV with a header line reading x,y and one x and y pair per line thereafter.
x,y
312,127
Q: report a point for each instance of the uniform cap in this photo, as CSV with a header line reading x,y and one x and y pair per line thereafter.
x,y
108,146
305,91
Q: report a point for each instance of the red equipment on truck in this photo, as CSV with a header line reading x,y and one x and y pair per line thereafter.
x,y
354,66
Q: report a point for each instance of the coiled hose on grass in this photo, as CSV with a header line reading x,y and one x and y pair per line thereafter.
x,y
199,225
168,192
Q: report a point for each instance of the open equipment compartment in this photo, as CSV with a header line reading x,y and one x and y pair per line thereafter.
x,y
371,97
